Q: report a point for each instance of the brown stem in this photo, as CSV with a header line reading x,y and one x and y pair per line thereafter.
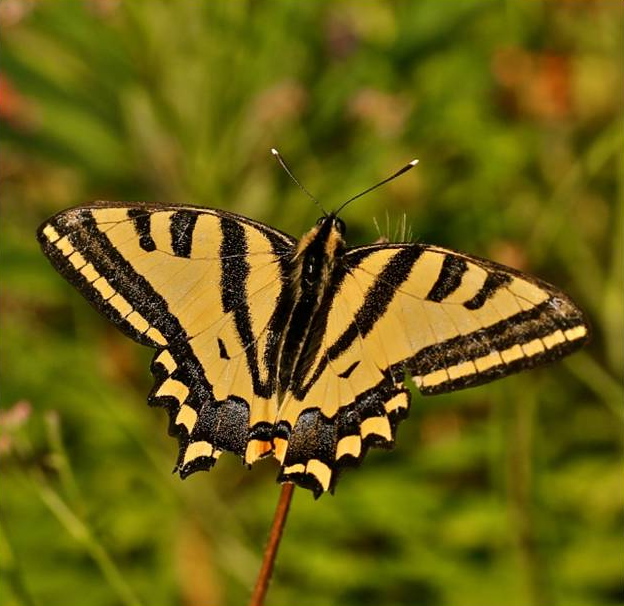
x,y
270,551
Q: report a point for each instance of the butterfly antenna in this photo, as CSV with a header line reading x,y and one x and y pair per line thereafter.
x,y
290,174
407,167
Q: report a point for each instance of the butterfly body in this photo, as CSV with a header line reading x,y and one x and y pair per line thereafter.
x,y
317,256
266,345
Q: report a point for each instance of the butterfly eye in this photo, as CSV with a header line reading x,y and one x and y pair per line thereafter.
x,y
339,224
320,221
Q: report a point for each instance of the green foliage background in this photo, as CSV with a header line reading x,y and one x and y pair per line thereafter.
x,y
509,493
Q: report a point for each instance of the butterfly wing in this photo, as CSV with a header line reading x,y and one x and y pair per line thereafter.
x,y
207,289
448,319
457,321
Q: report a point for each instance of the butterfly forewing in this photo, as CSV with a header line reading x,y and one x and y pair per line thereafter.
x,y
455,321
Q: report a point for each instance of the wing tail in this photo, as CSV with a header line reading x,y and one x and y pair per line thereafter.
x,y
315,451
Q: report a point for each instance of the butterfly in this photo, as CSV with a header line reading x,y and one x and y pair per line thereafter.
x,y
299,349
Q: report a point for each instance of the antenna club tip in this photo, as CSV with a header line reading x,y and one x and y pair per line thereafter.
x,y
414,162
274,151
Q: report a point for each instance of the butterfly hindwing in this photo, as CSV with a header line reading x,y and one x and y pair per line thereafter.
x,y
206,289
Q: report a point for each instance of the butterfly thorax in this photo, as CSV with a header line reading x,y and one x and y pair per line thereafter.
x,y
317,258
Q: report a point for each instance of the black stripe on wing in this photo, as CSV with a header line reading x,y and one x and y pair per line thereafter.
x,y
449,280
494,281
143,226
181,229
556,318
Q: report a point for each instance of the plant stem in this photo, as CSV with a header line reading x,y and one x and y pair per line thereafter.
x,y
270,551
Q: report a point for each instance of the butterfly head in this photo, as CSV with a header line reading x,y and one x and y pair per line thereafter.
x,y
326,238
334,223
320,248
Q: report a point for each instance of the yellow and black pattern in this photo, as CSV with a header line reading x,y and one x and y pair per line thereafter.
x,y
205,288
266,345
